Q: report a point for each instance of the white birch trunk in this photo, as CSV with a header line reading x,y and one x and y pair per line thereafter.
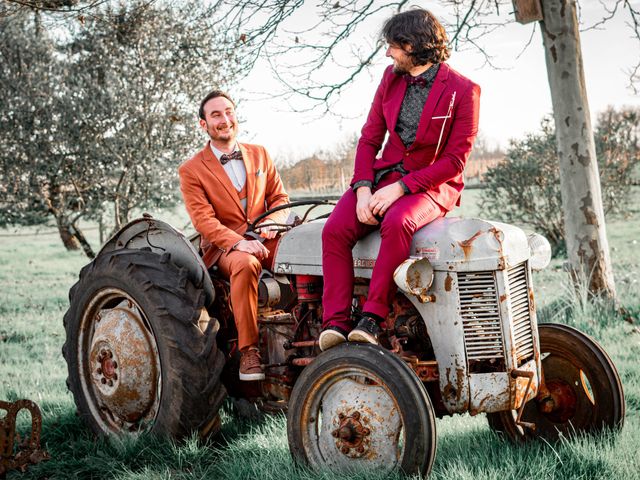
x,y
584,222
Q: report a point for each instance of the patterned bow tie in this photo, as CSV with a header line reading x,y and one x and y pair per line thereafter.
x,y
224,158
419,80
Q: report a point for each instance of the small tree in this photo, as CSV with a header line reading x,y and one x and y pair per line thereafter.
x,y
525,188
103,115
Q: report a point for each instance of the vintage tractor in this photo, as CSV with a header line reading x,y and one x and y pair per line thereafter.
x,y
151,345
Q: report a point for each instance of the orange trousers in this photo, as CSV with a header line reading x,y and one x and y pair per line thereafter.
x,y
243,272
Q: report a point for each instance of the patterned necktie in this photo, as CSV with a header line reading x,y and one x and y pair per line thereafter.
x,y
419,80
224,158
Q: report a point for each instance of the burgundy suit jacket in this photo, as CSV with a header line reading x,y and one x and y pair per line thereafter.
x,y
213,202
441,175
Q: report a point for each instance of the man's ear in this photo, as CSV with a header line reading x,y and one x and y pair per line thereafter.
x,y
407,47
203,125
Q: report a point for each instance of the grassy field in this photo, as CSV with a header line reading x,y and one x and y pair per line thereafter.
x,y
36,274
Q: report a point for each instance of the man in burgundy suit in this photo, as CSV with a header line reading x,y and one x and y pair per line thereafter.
x,y
430,113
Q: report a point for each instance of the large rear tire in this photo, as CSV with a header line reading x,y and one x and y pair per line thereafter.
x,y
586,393
136,358
361,407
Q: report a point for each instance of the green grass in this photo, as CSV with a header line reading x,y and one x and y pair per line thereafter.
x,y
36,273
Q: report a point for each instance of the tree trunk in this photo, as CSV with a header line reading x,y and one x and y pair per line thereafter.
x,y
69,240
584,223
86,247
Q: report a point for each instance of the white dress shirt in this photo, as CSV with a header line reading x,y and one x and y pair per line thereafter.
x,y
236,172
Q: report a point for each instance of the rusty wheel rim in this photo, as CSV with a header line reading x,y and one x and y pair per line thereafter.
x,y
571,404
351,420
119,363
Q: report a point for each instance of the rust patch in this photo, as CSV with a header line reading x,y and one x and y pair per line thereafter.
x,y
503,297
467,245
532,303
26,452
460,380
447,282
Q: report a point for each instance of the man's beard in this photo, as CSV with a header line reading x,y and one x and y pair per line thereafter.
x,y
402,68
228,136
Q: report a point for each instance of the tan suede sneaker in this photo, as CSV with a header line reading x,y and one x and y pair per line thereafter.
x,y
250,367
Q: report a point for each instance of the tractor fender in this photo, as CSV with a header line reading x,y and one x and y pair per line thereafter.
x,y
150,233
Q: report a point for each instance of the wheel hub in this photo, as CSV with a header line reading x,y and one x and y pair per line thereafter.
x,y
124,370
351,434
560,406
360,422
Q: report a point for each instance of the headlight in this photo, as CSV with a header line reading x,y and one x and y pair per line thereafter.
x,y
540,249
414,276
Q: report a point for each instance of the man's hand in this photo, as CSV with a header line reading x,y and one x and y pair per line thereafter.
x,y
265,230
254,247
363,211
380,201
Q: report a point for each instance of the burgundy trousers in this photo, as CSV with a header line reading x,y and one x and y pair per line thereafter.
x,y
340,234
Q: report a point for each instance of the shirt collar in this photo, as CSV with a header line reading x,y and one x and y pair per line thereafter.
x,y
430,73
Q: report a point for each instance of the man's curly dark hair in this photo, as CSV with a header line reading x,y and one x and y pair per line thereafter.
x,y
422,31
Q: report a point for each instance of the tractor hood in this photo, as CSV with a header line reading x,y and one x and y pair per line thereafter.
x,y
452,244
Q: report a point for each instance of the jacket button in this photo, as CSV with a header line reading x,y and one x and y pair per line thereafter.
x,y
406,154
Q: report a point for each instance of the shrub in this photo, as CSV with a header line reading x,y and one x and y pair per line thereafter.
x,y
525,188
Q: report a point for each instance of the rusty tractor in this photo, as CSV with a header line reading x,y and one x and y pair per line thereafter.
x,y
151,345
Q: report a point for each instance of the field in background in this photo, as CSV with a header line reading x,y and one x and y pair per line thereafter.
x,y
36,274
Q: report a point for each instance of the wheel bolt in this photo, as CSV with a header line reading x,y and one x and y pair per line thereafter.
x,y
115,376
111,383
115,365
110,354
341,416
360,449
345,450
366,431
99,371
335,433
103,380
355,415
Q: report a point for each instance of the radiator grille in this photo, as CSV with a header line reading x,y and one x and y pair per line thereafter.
x,y
480,315
520,312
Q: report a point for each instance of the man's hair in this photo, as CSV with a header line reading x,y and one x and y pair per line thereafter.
x,y
210,95
420,29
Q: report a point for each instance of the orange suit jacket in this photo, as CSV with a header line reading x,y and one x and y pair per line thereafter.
x,y
213,203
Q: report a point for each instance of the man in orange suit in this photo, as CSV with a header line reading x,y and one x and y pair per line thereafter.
x,y
225,185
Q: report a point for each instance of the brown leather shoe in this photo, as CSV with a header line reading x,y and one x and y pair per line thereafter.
x,y
250,368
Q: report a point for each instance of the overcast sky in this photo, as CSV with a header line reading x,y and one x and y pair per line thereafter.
x,y
514,99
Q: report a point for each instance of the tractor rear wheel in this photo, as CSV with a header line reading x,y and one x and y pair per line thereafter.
x,y
359,407
136,358
585,393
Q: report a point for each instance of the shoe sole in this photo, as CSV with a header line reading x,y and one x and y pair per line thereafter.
x,y
360,336
251,377
330,338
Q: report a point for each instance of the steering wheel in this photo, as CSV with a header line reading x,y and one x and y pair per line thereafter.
x,y
283,227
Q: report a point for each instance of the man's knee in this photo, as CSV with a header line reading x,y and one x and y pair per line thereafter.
x,y
246,265
394,223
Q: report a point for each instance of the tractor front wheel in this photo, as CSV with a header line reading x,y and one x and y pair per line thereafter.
x,y
584,390
361,407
